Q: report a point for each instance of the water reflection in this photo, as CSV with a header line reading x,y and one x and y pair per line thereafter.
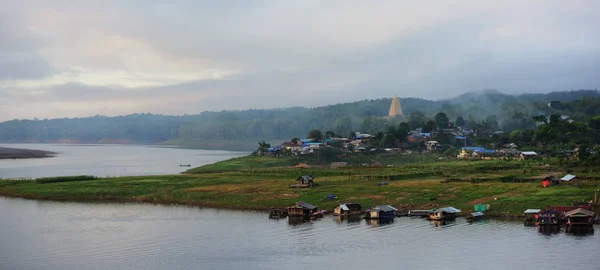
x,y
440,223
549,229
380,222
348,219
295,221
579,230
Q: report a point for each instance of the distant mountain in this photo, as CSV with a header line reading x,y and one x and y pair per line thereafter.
x,y
511,111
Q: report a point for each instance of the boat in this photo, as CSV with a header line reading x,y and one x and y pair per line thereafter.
x,y
475,216
185,165
446,213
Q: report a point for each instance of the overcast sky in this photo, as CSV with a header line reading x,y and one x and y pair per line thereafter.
x,y
82,58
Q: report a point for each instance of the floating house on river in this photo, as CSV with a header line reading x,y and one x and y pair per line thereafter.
x,y
443,213
302,209
475,216
579,216
549,217
381,212
348,209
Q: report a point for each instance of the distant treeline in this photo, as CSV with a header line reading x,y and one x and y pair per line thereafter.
x,y
511,112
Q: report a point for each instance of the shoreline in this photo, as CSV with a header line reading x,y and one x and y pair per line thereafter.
x,y
20,153
509,187
200,205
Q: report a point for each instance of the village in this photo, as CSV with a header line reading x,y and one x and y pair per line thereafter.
x,y
575,218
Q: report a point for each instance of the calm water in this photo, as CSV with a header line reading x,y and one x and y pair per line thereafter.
x,y
56,235
108,160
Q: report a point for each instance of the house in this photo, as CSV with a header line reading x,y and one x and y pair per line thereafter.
x,y
527,155
304,181
531,216
381,212
432,145
569,178
550,180
580,216
312,145
291,146
348,209
443,213
302,209
549,217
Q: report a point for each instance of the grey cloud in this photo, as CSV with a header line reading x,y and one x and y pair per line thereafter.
x,y
19,58
286,61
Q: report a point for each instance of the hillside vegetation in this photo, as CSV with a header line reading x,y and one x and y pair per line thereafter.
x,y
239,128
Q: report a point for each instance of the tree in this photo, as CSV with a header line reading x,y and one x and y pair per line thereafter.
x,y
263,146
295,140
316,135
442,120
429,126
417,119
460,122
329,134
402,131
491,122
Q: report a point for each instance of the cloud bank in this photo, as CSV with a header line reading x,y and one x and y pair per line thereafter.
x,y
70,59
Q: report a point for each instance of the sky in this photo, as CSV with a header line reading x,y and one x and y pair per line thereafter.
x,y
82,58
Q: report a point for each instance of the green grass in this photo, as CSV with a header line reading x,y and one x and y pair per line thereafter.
x,y
242,186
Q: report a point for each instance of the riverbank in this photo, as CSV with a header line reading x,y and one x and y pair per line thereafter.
x,y
508,187
17,153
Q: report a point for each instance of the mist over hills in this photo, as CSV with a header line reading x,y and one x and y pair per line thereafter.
x,y
511,111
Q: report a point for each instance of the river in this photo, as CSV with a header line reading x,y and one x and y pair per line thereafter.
x,y
62,235
108,160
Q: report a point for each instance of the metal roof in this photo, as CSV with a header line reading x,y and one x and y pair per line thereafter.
x,y
305,205
529,153
477,214
579,213
306,177
449,210
344,207
384,208
568,177
532,211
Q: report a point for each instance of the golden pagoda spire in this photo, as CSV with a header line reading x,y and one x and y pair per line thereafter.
x,y
395,108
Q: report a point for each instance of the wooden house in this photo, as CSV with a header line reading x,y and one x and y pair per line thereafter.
x,y
531,216
549,217
304,181
381,212
550,181
579,216
527,155
302,209
569,178
348,209
443,213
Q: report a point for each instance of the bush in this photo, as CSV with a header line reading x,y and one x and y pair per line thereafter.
x,y
57,179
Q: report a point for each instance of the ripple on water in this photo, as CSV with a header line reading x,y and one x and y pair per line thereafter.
x,y
116,236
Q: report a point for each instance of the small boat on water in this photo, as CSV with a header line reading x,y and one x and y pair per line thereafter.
x,y
475,216
446,213
185,165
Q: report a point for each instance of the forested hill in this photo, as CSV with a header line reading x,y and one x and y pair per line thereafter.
x,y
512,112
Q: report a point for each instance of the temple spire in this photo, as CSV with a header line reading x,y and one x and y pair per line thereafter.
x,y
395,108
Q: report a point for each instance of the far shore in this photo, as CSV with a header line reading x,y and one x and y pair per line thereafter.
x,y
262,183
18,153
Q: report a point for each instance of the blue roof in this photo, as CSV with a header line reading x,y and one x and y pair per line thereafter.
x,y
473,148
328,140
305,140
428,134
461,137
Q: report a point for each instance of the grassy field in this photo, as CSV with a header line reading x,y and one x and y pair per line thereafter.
x,y
508,186
261,162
